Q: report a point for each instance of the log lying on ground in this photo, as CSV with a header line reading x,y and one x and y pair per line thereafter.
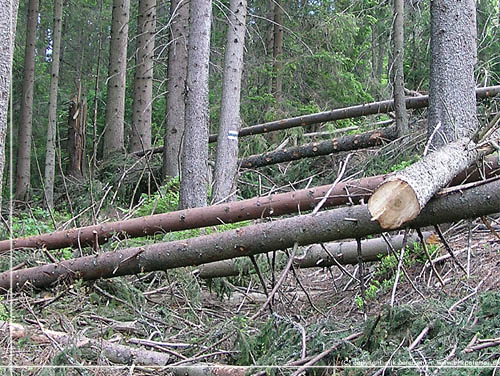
x,y
341,223
345,143
116,353
345,253
337,114
403,195
113,352
259,207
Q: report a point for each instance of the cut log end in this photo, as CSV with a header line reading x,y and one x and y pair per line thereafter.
x,y
393,204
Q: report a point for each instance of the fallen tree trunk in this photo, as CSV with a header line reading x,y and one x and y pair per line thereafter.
x,y
341,223
345,253
335,145
403,195
337,114
113,352
255,208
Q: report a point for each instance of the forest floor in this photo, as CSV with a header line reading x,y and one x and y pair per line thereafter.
x,y
199,321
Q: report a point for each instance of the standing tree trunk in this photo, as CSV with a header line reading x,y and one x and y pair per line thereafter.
x,y
8,20
398,70
115,107
226,165
452,103
50,154
278,51
193,189
176,87
23,171
77,123
143,80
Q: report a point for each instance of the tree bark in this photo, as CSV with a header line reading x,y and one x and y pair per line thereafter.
x,y
452,104
421,101
403,195
8,21
342,223
140,138
50,153
193,188
113,139
278,51
77,122
23,170
114,352
398,69
346,113
259,207
176,88
344,253
226,165
452,118
336,145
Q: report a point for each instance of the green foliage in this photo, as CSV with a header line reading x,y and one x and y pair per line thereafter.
x,y
403,164
4,313
163,201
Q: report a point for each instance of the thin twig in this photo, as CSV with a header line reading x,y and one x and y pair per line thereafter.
x,y
424,245
398,271
417,341
339,177
448,248
361,274
261,278
278,284
305,291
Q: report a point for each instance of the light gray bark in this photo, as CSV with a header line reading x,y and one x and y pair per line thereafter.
x,y
398,70
50,153
226,165
140,138
452,103
115,107
8,20
193,189
176,87
23,172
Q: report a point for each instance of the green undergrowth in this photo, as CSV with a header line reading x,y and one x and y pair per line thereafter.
x,y
385,339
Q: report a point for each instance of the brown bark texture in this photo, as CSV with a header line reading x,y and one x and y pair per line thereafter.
x,y
176,88
404,194
346,113
277,83
338,114
113,139
23,168
259,207
226,163
344,253
77,122
336,145
140,137
336,224
194,181
50,152
452,104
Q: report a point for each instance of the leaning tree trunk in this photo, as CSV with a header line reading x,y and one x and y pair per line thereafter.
x,y
8,20
77,124
23,169
193,189
278,51
315,149
140,138
347,222
117,72
50,153
176,88
452,118
226,165
398,69
452,103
